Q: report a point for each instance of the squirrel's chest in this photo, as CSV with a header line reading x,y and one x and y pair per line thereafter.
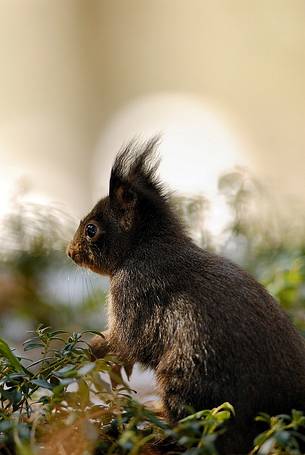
x,y
130,313
136,327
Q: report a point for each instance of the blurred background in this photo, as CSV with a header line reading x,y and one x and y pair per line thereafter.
x,y
222,81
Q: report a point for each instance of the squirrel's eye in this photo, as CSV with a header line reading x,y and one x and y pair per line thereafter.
x,y
91,231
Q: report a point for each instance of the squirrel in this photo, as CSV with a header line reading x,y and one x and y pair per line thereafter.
x,y
210,331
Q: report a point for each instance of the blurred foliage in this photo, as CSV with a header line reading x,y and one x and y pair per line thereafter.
x,y
193,211
284,434
64,403
34,270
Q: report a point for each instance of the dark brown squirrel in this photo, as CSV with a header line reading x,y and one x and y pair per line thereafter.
x,y
211,333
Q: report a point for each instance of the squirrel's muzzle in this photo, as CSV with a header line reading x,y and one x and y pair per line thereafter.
x,y
73,252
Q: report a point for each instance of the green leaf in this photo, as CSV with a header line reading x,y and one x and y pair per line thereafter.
x,y
263,417
86,368
13,395
42,383
69,371
30,346
282,438
83,392
6,352
267,447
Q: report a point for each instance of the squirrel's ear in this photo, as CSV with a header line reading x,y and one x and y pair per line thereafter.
x,y
125,197
123,200
132,175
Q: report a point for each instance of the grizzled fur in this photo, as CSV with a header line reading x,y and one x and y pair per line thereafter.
x,y
208,329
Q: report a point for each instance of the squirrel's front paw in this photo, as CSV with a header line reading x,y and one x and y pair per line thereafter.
x,y
99,346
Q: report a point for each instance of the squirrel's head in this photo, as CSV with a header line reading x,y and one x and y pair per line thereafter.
x,y
136,210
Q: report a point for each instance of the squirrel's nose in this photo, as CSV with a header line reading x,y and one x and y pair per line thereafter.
x,y
70,251
73,252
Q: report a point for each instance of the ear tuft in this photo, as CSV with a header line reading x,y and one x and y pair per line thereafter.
x,y
134,170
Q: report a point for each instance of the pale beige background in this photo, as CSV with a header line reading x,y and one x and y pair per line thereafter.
x,y
68,67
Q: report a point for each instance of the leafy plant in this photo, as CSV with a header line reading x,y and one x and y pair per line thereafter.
x,y
283,436
64,403
65,400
